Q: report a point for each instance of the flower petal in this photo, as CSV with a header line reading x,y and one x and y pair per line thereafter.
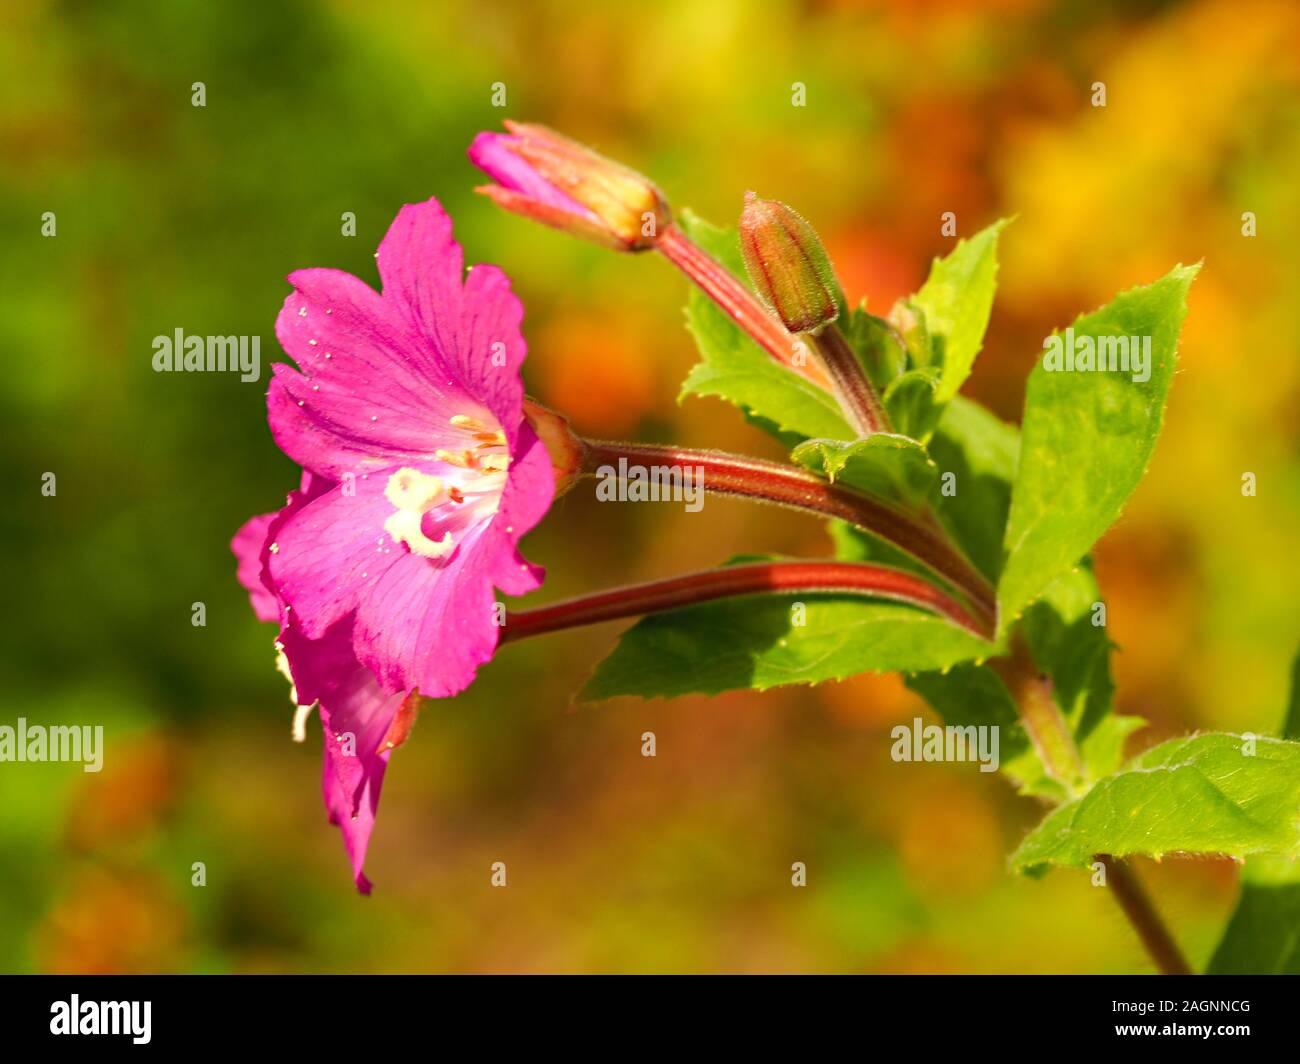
x,y
362,399
491,153
247,547
421,267
492,348
329,552
528,493
356,715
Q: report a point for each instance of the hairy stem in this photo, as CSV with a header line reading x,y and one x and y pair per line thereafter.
x,y
856,394
854,578
1046,727
798,489
1137,906
1050,733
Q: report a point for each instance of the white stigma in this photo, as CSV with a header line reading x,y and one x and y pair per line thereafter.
x,y
414,494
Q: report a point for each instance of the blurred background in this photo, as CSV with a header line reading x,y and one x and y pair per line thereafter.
x,y
174,216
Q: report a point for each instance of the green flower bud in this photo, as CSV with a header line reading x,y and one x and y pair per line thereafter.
x,y
788,266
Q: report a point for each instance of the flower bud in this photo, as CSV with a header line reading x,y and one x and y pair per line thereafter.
x,y
561,443
788,266
563,184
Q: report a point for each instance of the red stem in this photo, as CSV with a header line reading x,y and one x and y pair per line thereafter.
x,y
856,394
798,489
758,578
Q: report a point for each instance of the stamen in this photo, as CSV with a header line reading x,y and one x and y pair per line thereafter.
x,y
300,716
282,666
465,459
464,421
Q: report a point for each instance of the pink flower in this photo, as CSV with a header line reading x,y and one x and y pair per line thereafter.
x,y
420,476
410,403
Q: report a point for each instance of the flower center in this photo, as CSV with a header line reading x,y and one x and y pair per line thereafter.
x,y
414,494
469,491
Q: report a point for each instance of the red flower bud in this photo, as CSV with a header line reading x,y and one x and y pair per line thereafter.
x,y
561,183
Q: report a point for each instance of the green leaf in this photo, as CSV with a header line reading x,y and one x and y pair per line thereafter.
x,y
974,694
1086,440
1291,722
891,467
1065,642
852,544
754,642
912,403
1263,936
956,300
980,451
1203,794
733,367
876,345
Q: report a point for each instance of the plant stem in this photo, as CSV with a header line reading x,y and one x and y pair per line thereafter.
x,y
1137,906
853,388
1050,733
798,489
1048,730
736,301
854,578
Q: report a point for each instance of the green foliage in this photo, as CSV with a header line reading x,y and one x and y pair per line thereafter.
x,y
956,300
1203,794
1086,440
1263,936
1027,509
890,466
981,452
677,653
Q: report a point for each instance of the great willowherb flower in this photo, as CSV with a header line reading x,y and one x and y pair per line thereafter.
x,y
410,403
421,475
561,183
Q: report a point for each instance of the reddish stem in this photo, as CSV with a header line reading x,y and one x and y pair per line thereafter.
x,y
856,394
758,578
785,485
1141,913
